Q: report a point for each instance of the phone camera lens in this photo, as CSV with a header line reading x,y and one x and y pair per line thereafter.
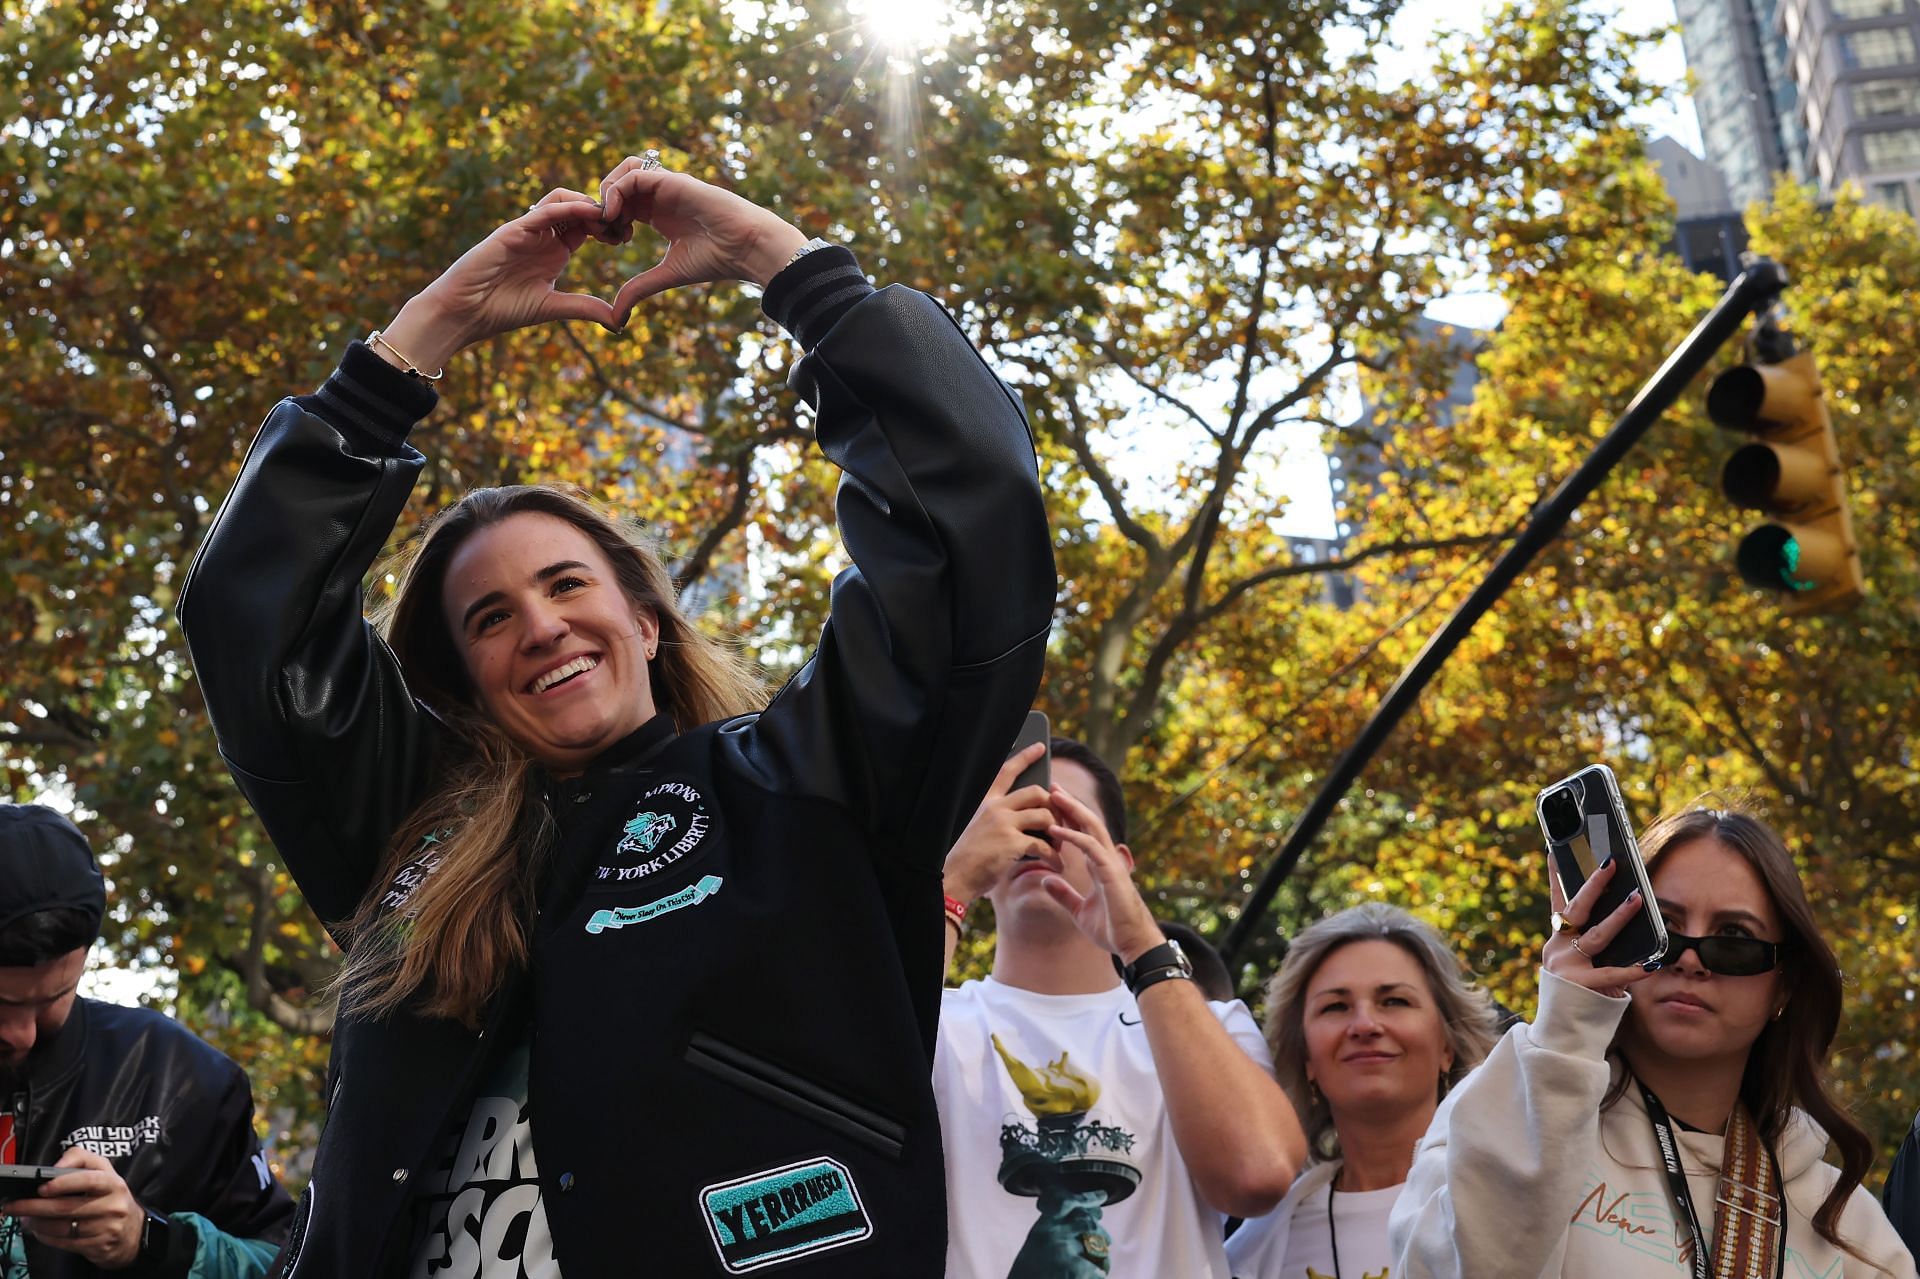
x,y
1562,813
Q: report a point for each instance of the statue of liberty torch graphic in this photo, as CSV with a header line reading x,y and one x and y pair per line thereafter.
x,y
1072,1166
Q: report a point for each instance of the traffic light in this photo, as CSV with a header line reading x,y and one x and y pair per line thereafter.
x,y
1790,470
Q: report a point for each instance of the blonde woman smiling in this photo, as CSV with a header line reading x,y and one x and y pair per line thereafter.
x,y
1371,1023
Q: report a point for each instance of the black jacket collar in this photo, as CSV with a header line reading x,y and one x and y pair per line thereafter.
x,y
633,749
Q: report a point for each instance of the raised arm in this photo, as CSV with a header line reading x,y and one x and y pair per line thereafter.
x,y
313,716
1516,1140
1236,1130
937,635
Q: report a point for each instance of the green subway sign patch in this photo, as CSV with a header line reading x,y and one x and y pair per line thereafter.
x,y
783,1214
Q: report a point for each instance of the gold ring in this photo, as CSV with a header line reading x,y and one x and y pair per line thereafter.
x,y
1561,924
1576,945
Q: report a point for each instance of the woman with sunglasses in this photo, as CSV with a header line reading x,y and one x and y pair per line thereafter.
x,y
1677,1130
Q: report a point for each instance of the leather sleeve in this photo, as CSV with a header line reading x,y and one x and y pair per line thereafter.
x,y
937,635
313,716
239,1193
1902,1193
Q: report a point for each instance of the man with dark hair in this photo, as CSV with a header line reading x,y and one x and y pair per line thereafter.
x,y
168,1179
1099,1114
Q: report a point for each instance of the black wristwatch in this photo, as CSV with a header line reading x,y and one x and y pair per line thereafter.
x,y
1165,962
166,1248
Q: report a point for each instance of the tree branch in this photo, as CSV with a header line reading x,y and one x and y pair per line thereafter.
x,y
252,967
1076,431
695,566
1183,626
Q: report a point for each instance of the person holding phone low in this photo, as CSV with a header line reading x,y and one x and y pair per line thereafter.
x,y
1665,1122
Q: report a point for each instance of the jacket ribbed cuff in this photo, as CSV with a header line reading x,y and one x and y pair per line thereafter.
x,y
1576,1020
808,298
372,397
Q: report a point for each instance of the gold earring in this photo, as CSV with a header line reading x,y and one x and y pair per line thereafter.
x,y
1313,1092
1780,1012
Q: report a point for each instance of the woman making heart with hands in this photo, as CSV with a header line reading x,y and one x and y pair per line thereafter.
x,y
631,962
508,280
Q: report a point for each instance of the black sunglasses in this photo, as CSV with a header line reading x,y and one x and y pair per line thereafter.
x,y
1728,956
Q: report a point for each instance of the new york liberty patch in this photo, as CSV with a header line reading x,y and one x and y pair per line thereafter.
x,y
670,824
783,1214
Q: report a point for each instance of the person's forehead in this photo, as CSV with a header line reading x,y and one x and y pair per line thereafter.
x,y
1706,876
1074,778
1363,966
509,554
42,981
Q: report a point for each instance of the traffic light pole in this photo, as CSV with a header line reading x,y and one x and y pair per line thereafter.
x,y
1752,291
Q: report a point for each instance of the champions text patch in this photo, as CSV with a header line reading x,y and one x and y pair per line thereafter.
x,y
784,1213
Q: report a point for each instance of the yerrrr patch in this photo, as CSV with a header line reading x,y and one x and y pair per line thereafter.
x,y
784,1213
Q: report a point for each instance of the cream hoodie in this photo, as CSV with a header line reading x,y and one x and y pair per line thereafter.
x,y
1521,1176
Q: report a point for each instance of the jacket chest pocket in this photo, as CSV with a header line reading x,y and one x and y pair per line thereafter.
x,y
755,1075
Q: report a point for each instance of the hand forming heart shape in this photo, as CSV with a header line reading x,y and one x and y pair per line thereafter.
x,y
507,281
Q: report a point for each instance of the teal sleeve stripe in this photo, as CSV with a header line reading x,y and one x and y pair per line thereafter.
x,y
221,1255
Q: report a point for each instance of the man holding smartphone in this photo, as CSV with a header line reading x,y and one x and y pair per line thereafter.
x,y
153,1129
1099,1115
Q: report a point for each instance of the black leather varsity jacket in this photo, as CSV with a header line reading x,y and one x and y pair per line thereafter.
x,y
736,975
173,1115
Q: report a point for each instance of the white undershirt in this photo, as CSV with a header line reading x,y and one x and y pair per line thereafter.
x,y
1360,1218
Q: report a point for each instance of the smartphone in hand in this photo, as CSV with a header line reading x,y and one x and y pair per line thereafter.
x,y
23,1181
1585,822
1040,772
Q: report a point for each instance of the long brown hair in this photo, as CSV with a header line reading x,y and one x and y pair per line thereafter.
x,y
1786,1066
1465,1009
446,918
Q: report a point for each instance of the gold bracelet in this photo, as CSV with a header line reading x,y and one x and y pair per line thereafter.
x,y
413,370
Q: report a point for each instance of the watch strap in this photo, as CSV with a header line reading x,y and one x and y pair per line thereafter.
x,y
167,1248
1155,976
1154,965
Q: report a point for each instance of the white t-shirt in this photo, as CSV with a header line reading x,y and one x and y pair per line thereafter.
x,y
1095,1175
1293,1241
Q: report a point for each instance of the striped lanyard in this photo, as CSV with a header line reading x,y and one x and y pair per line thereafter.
x,y
1749,1222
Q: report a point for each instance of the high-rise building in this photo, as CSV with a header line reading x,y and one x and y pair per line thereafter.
x,y
1857,65
1824,90
1709,234
1353,459
1737,102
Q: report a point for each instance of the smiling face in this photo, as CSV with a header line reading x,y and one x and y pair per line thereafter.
x,y
1376,1044
555,651
1684,1012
